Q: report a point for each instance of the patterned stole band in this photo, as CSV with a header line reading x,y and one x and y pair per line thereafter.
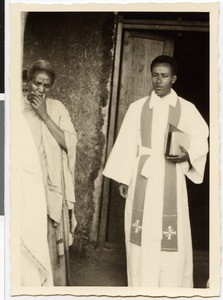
x,y
138,203
169,219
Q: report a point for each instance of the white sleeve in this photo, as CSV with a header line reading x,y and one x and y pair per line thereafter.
x,y
119,166
198,134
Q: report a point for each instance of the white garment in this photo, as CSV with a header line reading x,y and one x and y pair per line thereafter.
x,y
146,264
35,260
58,179
55,162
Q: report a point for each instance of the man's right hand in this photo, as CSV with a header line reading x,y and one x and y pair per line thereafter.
x,y
123,190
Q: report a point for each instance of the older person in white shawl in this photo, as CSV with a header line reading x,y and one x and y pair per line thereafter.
x,y
55,139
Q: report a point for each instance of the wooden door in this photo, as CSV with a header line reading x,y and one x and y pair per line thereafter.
x,y
139,48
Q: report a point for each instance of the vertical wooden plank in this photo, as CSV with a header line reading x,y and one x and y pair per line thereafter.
x,y
111,132
135,78
168,47
125,80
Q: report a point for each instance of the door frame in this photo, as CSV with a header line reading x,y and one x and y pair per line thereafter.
x,y
122,24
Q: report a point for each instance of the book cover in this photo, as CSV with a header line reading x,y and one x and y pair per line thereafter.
x,y
174,139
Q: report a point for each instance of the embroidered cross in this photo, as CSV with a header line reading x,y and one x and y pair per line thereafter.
x,y
137,226
169,233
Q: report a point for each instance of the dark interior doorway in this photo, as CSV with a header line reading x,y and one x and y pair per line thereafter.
x,y
191,50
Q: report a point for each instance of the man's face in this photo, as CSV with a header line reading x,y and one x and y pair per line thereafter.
x,y
162,79
40,84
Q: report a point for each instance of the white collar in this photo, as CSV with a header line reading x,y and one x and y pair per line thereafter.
x,y
170,99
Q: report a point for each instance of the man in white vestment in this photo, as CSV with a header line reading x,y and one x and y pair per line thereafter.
x,y
157,225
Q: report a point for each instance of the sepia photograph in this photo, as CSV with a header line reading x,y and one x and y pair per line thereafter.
x,y
114,150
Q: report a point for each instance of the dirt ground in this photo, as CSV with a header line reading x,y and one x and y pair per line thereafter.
x,y
100,266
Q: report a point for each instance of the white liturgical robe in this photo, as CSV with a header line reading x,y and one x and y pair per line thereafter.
x,y
147,265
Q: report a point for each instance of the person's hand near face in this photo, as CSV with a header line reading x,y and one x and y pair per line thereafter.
x,y
39,85
39,105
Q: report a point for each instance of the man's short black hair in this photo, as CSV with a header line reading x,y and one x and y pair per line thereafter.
x,y
165,59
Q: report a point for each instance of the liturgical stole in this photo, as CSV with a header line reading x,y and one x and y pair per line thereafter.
x,y
169,218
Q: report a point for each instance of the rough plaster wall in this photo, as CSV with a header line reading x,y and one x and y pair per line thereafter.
x,y
80,46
